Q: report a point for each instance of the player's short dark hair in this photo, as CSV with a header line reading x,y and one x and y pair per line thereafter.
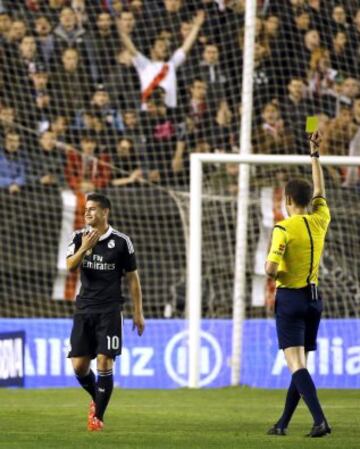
x,y
99,198
300,191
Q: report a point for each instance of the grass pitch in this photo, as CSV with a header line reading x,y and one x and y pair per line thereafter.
x,y
230,418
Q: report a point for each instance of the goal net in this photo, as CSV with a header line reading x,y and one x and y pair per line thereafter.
x,y
339,275
86,105
115,96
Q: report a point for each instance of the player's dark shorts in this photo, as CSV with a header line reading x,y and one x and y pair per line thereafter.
x,y
297,318
96,333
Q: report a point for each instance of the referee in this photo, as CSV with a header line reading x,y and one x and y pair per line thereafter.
x,y
104,255
293,260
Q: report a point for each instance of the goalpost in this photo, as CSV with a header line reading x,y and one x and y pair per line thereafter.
x,y
194,272
246,160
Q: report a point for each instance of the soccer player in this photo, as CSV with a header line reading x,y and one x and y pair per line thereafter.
x,y
293,260
103,255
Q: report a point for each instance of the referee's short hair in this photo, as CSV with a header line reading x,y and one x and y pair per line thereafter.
x,y
300,191
99,198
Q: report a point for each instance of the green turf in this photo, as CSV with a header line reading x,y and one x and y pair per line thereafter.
x,y
235,418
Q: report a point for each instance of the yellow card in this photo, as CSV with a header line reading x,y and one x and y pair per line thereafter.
x,y
312,124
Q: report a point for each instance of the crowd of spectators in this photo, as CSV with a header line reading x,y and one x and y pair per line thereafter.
x,y
116,93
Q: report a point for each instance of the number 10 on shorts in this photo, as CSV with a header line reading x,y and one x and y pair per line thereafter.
x,y
113,342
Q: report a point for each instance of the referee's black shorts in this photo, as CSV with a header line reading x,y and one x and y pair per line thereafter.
x,y
297,318
96,333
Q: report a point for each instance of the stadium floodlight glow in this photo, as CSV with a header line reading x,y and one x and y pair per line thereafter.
x,y
194,274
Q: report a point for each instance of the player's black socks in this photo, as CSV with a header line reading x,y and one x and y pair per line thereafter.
x,y
104,387
307,389
291,402
88,383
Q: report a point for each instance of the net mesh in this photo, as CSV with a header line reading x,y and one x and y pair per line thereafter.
x,y
339,269
87,104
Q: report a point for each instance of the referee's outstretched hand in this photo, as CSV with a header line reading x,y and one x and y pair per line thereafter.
x,y
139,323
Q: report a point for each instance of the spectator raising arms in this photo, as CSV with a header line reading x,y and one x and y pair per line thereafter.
x,y
159,70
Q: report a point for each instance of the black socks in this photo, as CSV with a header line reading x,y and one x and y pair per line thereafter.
x,y
291,402
88,383
305,386
104,387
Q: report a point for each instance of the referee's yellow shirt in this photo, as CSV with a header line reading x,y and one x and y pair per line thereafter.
x,y
297,244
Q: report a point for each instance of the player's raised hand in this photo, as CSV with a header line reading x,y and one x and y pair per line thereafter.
x,y
139,323
315,140
90,239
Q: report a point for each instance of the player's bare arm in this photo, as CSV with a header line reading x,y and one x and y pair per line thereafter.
x,y
136,297
317,173
89,240
191,38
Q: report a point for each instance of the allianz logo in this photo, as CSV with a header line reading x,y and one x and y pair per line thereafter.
x,y
11,358
332,357
48,356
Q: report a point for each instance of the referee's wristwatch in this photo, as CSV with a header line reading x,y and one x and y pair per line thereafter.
x,y
315,154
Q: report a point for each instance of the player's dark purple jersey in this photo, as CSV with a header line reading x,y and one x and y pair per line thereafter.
x,y
102,269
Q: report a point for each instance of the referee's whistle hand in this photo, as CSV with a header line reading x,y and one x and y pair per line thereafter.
x,y
139,324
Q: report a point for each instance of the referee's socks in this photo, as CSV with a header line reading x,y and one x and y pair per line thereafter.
x,y
291,402
307,389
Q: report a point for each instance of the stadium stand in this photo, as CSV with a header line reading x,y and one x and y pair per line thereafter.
x,y
76,117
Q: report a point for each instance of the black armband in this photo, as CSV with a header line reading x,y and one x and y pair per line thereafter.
x,y
315,154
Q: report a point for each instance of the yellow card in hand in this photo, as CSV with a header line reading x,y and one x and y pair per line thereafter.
x,y
312,124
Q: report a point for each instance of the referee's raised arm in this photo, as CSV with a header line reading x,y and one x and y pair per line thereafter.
x,y
317,173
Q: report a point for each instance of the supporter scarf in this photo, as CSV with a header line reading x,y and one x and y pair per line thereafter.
x,y
155,82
